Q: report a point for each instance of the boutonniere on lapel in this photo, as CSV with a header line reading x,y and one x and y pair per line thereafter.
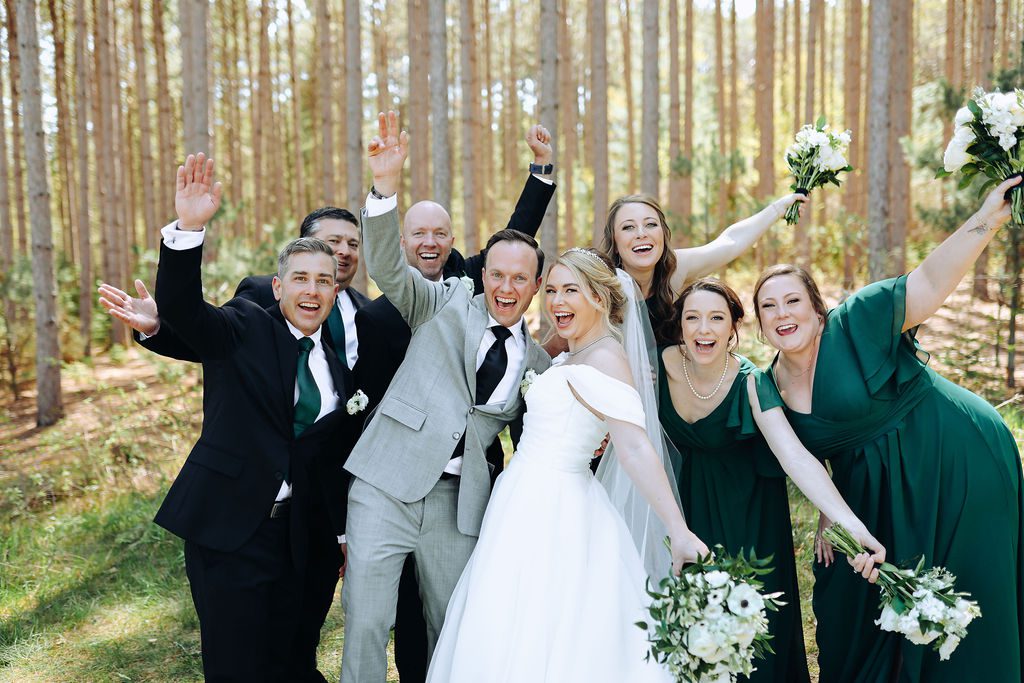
x,y
528,377
467,282
357,403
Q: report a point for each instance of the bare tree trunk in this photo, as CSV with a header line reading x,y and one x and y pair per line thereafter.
x,y
195,87
509,107
487,194
64,184
17,141
325,99
686,205
470,126
764,91
627,71
121,153
721,196
441,150
168,153
380,54
419,101
798,75
986,22
649,172
549,96
852,117
900,92
567,93
7,255
263,137
85,283
599,106
145,134
675,143
879,133
355,183
49,406
301,199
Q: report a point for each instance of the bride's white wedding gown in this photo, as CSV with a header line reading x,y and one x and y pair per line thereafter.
x,y
555,585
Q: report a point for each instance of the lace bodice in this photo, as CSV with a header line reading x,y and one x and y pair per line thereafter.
x,y
561,430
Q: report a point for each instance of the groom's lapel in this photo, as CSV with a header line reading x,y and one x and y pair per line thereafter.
x,y
475,324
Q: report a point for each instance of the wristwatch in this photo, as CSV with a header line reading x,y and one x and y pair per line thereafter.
x,y
543,169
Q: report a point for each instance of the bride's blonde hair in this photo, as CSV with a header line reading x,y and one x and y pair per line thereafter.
x,y
600,285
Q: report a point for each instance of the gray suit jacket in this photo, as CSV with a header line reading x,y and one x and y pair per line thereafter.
x,y
429,404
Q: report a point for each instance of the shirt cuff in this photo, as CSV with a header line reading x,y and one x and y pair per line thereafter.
x,y
541,178
379,207
341,539
180,240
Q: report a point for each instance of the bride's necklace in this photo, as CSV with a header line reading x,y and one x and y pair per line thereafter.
x,y
579,351
721,380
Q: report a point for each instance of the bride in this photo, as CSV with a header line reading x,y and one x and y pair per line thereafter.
x,y
556,584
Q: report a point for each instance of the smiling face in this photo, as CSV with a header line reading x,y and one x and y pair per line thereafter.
x,y
510,280
639,237
343,238
568,304
427,238
306,290
707,327
788,317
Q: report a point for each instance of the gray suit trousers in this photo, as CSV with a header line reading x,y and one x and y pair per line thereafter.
x,y
381,532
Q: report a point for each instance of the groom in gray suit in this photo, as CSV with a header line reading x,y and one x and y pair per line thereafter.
x,y
420,476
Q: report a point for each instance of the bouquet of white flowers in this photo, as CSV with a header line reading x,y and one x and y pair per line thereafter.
x,y
987,140
816,157
923,606
709,622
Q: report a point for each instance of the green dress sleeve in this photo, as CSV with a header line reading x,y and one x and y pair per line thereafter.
x,y
740,418
767,393
872,319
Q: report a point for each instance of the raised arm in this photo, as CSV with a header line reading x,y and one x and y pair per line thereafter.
x,y
696,262
141,314
934,280
807,473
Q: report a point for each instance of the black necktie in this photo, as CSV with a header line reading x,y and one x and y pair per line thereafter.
x,y
490,372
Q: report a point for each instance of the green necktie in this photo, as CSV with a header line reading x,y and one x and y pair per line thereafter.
x,y
337,327
308,405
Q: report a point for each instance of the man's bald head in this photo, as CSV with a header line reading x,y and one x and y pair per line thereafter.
x,y
427,238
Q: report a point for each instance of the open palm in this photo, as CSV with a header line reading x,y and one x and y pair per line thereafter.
x,y
197,196
386,153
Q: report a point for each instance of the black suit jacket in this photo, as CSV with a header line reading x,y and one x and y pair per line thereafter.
x,y
233,473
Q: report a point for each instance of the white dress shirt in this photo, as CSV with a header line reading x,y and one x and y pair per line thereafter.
x,y
347,306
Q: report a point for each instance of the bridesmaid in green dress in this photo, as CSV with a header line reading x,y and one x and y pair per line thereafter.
x,y
732,490
928,465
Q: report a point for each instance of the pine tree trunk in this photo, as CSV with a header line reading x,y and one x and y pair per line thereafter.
x,y
549,95
852,118
649,171
64,183
470,126
263,137
721,195
599,105
734,116
7,257
675,143
17,140
355,183
167,150
488,214
195,87
120,168
879,127
419,101
900,93
49,406
985,12
569,109
764,90
798,75
84,229
627,72
145,134
325,98
686,205
298,160
510,105
440,147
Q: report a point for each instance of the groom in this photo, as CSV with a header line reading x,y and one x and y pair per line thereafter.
x,y
420,477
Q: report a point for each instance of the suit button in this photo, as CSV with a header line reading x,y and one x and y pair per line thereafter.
x,y
472,409
279,475
456,435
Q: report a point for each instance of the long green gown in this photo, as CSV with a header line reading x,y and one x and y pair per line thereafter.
x,y
733,492
931,469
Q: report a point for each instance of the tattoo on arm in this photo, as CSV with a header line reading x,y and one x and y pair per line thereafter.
x,y
981,228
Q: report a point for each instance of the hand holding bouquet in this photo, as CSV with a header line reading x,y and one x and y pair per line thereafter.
x,y
816,157
987,140
709,622
922,605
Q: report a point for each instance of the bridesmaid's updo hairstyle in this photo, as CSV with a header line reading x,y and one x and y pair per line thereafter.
x,y
817,302
672,329
600,284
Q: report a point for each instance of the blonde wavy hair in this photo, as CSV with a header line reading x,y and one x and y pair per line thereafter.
x,y
600,285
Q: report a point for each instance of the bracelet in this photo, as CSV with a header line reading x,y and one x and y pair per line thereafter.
x,y
375,194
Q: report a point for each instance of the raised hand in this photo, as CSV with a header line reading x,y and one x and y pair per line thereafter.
x,y
996,209
386,153
539,140
197,196
140,313
781,204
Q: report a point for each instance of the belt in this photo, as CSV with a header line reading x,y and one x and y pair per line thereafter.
x,y
281,508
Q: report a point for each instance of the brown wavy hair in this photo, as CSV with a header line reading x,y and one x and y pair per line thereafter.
x,y
817,302
672,329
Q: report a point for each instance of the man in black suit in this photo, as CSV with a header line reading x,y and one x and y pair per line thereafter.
x,y
384,336
244,500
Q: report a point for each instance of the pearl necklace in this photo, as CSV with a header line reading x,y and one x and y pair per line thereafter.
x,y
578,351
718,386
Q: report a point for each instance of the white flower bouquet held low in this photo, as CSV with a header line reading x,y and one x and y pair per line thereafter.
x,y
987,140
922,605
708,623
816,157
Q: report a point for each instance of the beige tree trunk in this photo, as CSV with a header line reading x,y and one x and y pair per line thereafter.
x,y
121,155
649,171
145,128
625,24
195,87
722,190
168,153
325,99
686,205
900,107
7,240
64,183
764,90
852,120
419,101
263,137
300,197
17,140
84,229
355,182
49,406
281,180
470,128
549,96
599,105
488,213
675,142
733,108
879,129
985,12
510,104
440,146
798,75
569,109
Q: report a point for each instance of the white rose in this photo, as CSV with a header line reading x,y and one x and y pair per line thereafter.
x,y
467,282
1007,141
963,116
946,649
888,619
701,642
956,153
717,579
744,601
745,632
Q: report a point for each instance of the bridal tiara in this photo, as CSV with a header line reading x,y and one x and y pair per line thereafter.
x,y
589,253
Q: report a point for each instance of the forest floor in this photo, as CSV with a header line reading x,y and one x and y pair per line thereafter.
x,y
92,590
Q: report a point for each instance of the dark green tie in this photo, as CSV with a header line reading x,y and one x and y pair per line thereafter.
x,y
337,327
308,405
